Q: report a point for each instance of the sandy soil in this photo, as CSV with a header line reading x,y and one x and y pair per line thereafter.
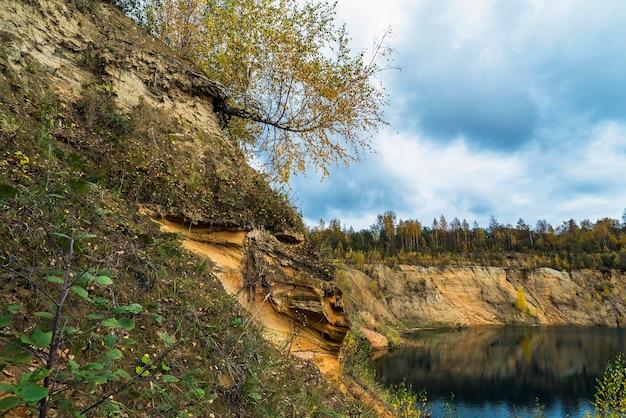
x,y
225,250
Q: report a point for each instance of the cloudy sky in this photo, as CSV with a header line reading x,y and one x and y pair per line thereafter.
x,y
505,108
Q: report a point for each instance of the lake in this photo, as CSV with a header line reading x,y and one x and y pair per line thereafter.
x,y
502,371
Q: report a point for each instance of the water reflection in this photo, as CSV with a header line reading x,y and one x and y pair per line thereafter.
x,y
506,367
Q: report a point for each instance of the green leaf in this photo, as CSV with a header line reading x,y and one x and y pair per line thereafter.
x,y
60,235
9,403
114,354
81,291
237,321
30,392
198,393
39,374
109,340
98,379
14,308
133,308
103,280
168,378
145,359
44,315
24,378
6,388
71,330
109,322
100,303
126,323
165,337
73,365
5,320
22,358
95,316
7,191
141,371
84,278
84,235
54,279
110,377
41,339
127,341
25,339
56,196
121,373
93,366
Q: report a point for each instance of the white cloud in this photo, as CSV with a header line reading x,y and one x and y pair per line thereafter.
x,y
510,108
452,180
366,19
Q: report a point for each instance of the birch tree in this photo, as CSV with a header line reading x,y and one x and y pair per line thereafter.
x,y
299,98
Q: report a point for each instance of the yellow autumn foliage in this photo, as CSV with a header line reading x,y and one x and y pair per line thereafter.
x,y
520,303
299,98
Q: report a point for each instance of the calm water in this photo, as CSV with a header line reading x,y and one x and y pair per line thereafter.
x,y
501,371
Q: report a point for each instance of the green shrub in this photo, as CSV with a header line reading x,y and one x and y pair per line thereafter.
x,y
610,397
407,403
62,301
356,355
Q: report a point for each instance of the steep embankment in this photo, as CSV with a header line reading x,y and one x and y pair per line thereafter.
x,y
98,115
175,161
465,296
299,312
109,78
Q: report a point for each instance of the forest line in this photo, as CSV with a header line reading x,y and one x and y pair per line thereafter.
x,y
594,245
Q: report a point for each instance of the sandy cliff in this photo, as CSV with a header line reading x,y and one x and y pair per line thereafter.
x,y
282,285
468,296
